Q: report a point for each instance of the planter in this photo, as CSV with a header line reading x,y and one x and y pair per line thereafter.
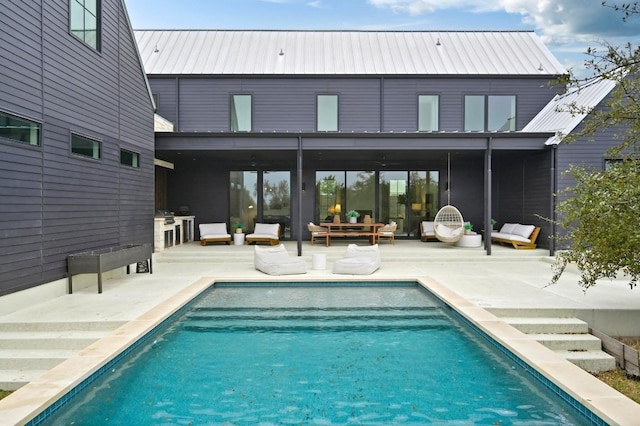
x,y
353,220
102,260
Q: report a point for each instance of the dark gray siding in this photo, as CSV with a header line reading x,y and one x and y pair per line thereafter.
x,y
55,203
281,104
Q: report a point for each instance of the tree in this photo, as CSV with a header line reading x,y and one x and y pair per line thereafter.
x,y
600,212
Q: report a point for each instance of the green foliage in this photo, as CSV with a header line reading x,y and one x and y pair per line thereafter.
x,y
602,222
353,213
602,209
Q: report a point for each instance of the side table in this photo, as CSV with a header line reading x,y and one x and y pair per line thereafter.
x,y
238,239
470,240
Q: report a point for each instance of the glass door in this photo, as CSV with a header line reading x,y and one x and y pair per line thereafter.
x,y
276,200
243,199
393,199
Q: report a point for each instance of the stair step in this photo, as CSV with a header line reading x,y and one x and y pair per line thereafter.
x,y
38,359
61,326
11,380
537,325
592,361
569,342
49,339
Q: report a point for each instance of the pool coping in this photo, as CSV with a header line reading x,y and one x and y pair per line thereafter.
x,y
32,401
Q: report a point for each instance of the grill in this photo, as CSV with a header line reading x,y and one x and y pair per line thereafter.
x,y
167,215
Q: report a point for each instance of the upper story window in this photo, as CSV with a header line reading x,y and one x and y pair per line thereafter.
x,y
129,158
86,147
241,113
327,113
428,106
84,21
492,113
19,129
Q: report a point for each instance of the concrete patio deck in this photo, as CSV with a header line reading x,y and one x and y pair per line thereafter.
x,y
508,281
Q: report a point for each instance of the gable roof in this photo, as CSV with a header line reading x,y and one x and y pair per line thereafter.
x,y
217,52
555,116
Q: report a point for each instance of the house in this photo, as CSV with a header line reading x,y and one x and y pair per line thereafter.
x,y
299,126
76,137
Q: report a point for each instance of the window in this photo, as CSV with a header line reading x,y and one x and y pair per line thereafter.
x,y
428,113
129,158
493,113
86,147
19,129
84,21
327,113
241,113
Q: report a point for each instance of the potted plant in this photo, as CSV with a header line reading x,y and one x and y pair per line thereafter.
x,y
468,228
493,223
238,228
353,216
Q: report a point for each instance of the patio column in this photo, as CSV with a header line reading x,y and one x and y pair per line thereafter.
x,y
299,180
487,197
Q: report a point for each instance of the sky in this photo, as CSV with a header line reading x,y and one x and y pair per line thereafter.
x,y
567,27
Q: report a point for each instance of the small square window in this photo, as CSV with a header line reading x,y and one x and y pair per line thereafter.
x,y
86,147
327,113
129,158
19,129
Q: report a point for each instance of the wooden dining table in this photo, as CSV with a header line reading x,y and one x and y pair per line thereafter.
x,y
348,229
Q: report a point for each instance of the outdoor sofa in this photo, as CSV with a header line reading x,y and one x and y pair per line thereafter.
x,y
427,231
518,235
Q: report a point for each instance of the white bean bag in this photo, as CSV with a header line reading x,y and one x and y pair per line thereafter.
x,y
358,260
275,260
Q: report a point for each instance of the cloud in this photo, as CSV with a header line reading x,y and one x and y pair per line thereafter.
x,y
558,21
316,3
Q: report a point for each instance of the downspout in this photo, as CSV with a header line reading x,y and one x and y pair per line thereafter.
x,y
553,199
488,196
299,161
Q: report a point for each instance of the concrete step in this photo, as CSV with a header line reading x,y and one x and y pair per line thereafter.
x,y
33,359
12,380
569,342
546,325
49,339
592,361
64,326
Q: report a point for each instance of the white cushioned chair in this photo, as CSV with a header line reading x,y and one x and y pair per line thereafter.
x,y
317,231
358,260
427,231
265,233
214,233
275,260
388,231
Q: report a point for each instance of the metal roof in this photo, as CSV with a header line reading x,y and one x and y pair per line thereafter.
x,y
226,52
556,116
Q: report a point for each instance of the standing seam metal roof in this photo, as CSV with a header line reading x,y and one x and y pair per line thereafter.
x,y
218,52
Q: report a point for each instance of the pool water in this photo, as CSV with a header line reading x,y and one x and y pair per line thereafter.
x,y
318,355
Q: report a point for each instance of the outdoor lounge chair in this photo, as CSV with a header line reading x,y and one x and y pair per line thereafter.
x,y
276,261
388,231
214,233
317,231
427,231
518,235
358,260
265,233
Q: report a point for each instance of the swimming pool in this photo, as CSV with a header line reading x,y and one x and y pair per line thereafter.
x,y
392,354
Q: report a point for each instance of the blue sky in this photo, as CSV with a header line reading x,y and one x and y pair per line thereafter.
x,y
567,27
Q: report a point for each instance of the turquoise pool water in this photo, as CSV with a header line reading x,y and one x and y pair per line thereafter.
x,y
362,355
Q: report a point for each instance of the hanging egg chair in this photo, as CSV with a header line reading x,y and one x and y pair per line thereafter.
x,y
448,224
